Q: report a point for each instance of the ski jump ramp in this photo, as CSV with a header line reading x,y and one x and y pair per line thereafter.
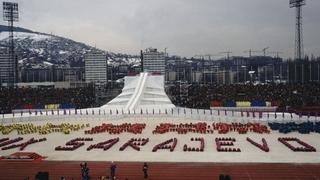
x,y
143,92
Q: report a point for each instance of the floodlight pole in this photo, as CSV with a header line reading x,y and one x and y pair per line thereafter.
x,y
299,50
299,38
11,47
10,12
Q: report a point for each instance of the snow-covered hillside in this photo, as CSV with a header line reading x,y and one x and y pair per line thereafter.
x,y
24,35
35,48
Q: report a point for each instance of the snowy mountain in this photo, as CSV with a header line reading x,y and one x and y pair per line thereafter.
x,y
40,49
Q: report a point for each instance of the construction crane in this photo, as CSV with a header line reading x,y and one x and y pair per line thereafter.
x,y
205,56
249,51
227,52
275,53
199,56
264,50
210,55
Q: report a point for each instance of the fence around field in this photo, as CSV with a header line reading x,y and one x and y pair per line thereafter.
x,y
180,113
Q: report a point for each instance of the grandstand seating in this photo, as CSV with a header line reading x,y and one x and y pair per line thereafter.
x,y
232,103
45,98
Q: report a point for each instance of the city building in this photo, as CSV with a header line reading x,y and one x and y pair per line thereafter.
x,y
154,61
51,74
96,67
7,70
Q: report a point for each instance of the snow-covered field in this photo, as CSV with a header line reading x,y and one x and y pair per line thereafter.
x,y
279,153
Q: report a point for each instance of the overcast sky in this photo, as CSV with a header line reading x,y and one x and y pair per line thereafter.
x,y
185,27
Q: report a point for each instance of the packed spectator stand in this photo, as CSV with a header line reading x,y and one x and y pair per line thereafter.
x,y
305,97
297,96
45,98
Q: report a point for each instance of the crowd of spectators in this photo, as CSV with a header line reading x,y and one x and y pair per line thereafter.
x,y
13,98
186,95
283,95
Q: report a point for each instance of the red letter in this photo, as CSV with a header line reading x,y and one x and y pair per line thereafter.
x,y
186,148
165,145
263,147
104,145
226,142
74,143
22,145
6,141
134,143
306,147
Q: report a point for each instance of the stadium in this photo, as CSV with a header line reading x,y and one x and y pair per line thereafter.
x,y
141,125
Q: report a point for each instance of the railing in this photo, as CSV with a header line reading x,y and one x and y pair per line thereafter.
x,y
180,113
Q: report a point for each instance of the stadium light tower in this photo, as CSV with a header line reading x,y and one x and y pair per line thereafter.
x,y
11,14
299,39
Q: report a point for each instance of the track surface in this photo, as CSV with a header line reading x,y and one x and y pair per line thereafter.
x,y
170,171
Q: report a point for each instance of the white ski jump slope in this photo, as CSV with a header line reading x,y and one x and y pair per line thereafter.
x,y
144,92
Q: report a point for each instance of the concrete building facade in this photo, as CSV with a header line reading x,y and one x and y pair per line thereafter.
x,y
154,61
96,67
7,70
